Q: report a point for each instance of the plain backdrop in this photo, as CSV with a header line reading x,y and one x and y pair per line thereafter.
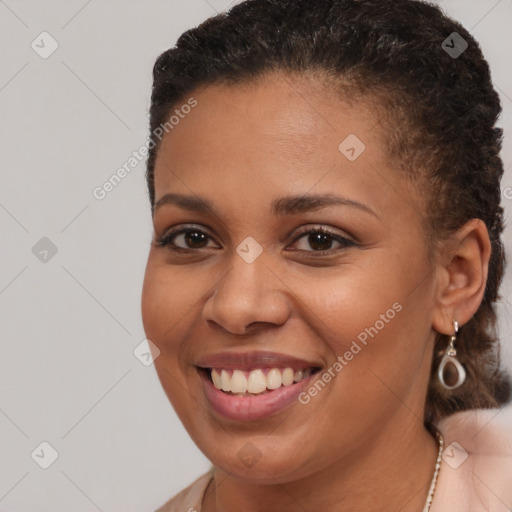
x,y
72,265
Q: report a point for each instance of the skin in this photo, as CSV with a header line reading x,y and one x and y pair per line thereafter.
x,y
360,443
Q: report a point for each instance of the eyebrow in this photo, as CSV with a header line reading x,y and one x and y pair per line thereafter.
x,y
282,206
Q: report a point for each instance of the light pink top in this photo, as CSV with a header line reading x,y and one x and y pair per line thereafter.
x,y
475,473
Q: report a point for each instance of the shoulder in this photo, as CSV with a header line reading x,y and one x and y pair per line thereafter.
x,y
190,498
476,469
484,431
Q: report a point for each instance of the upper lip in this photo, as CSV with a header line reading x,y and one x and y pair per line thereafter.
x,y
252,360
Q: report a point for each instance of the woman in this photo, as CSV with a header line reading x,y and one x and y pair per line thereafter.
x,y
325,188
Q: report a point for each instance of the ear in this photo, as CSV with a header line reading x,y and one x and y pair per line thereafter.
x,y
462,268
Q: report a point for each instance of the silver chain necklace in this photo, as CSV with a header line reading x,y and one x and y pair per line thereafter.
x,y
430,496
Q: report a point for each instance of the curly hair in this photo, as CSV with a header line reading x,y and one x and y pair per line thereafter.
x,y
439,110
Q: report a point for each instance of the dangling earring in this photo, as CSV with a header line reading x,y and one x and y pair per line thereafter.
x,y
451,373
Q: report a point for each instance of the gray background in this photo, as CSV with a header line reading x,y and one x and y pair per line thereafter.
x,y
70,324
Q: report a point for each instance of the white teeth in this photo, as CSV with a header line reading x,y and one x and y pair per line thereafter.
x,y
274,379
225,381
287,377
217,381
236,381
257,382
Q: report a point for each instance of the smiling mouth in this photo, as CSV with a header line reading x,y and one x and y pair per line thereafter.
x,y
258,381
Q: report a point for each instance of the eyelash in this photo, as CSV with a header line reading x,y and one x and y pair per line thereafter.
x,y
165,240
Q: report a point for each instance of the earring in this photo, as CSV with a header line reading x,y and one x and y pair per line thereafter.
x,y
451,373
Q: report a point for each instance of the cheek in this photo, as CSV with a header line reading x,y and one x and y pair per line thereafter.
x,y
168,296
165,302
351,303
373,317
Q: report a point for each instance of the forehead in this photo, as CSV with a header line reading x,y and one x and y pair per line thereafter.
x,y
278,135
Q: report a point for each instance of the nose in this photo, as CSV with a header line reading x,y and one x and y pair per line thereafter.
x,y
248,295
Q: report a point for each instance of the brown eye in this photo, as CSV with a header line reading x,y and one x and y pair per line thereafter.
x,y
185,239
321,241
194,239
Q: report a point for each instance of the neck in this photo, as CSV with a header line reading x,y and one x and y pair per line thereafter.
x,y
393,472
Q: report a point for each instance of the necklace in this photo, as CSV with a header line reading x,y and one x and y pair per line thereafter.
x,y
430,496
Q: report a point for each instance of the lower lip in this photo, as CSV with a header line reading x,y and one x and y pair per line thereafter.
x,y
250,408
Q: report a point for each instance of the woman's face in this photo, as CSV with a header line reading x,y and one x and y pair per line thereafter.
x,y
251,278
